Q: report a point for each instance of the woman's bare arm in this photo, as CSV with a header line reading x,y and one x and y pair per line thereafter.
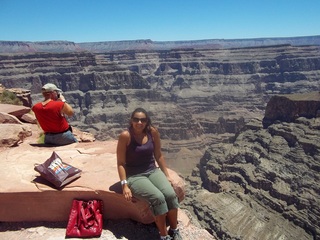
x,y
123,142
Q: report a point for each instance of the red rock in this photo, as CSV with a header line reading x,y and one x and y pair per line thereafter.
x,y
29,118
13,134
14,110
24,197
8,118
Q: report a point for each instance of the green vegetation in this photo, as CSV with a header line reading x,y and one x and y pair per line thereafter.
x,y
8,97
41,138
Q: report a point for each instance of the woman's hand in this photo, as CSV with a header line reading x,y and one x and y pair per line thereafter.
x,y
126,192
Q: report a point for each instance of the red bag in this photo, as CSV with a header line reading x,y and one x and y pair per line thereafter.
x,y
85,219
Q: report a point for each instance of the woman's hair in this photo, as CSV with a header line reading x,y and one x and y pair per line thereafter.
x,y
149,124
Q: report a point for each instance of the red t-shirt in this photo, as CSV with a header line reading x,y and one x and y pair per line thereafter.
x,y
50,118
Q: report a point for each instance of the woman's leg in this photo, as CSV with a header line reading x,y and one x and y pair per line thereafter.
x,y
173,218
142,188
160,181
160,221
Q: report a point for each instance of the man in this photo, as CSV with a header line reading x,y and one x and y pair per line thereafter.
x,y
51,113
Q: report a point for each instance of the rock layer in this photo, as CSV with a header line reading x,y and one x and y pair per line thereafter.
x,y
268,177
148,44
192,94
260,178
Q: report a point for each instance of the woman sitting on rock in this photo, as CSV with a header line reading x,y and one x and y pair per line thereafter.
x,y
138,149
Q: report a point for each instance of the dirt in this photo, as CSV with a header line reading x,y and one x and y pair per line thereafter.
x,y
112,229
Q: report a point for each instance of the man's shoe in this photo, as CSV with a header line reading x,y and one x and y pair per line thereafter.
x,y
175,234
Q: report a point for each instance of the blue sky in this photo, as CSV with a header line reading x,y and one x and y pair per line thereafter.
x,y
158,20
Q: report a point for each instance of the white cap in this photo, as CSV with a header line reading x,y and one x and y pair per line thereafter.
x,y
50,87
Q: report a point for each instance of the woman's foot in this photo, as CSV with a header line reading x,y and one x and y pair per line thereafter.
x,y
175,234
165,237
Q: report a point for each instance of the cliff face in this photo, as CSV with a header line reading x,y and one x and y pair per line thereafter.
x,y
192,95
268,176
287,108
256,175
149,45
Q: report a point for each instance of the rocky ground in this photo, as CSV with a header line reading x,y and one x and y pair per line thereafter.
x,y
113,229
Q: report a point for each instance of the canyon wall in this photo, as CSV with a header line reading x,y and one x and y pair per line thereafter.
x,y
259,167
149,45
266,179
195,97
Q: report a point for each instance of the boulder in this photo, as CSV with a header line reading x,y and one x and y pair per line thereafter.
x,y
25,196
15,110
24,95
83,136
29,118
289,107
14,134
8,118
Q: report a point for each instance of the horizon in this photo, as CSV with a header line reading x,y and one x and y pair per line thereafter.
x,y
159,21
133,40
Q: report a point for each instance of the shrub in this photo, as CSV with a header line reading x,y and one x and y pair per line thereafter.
x,y
41,138
8,97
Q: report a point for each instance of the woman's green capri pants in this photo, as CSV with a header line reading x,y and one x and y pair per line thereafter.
x,y
154,188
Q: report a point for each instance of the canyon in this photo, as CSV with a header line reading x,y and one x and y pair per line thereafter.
x,y
249,166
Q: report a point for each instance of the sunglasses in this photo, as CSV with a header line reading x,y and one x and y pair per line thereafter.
x,y
136,120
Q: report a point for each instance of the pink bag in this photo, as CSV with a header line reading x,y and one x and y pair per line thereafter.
x,y
85,219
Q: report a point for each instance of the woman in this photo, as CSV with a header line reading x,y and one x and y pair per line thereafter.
x,y
138,149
